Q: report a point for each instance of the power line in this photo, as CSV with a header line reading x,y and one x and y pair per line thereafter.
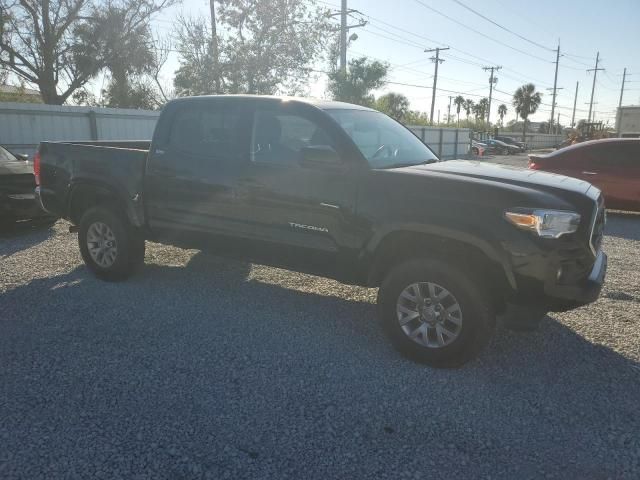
x,y
479,32
503,27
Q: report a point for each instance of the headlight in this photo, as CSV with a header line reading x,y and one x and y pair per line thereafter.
x,y
546,223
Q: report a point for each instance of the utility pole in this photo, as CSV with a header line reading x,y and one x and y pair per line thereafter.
x,y
575,99
555,84
492,80
558,125
343,37
437,60
593,87
449,111
214,47
624,77
551,129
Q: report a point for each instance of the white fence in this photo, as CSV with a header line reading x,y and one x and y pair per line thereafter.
x,y
448,143
24,125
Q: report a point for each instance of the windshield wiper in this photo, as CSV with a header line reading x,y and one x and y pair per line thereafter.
x,y
402,165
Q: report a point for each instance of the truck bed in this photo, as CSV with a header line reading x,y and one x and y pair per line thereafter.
x,y
117,165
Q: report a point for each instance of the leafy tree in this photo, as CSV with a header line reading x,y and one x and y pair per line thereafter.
x,y
526,102
468,107
263,47
60,45
415,117
395,105
459,103
502,111
356,85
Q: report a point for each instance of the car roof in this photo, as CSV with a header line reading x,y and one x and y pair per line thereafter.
x,y
316,102
592,143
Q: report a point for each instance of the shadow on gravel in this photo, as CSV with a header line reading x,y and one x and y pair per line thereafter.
x,y
623,225
185,369
23,234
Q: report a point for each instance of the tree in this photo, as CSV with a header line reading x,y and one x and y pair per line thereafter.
x,y
459,103
264,47
60,45
468,107
415,117
526,101
355,86
395,105
502,111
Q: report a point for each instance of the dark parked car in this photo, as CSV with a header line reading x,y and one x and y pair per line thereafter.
x,y
511,141
500,148
613,165
17,184
344,192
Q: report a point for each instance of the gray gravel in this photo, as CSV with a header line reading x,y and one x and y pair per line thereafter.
x,y
205,368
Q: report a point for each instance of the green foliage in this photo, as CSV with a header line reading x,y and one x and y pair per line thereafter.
x,y
502,111
355,86
264,47
395,105
415,117
69,42
468,107
526,102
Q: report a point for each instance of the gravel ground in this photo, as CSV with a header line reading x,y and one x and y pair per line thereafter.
x,y
200,367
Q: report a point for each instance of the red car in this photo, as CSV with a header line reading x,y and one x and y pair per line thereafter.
x,y
612,165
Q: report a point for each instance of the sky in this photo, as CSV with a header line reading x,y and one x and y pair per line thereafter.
x,y
398,32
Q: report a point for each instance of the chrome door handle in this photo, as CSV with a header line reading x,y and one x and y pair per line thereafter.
x,y
590,173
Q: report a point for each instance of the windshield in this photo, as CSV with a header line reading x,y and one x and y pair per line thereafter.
x,y
384,142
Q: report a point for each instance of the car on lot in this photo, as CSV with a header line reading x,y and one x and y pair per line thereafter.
x,y
344,192
511,141
478,148
613,165
500,148
17,188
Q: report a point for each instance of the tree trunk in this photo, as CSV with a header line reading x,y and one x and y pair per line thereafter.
x,y
524,130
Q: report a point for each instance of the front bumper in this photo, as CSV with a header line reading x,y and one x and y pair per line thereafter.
x,y
566,297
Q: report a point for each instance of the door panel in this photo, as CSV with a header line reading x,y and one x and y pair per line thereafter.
x,y
306,210
199,164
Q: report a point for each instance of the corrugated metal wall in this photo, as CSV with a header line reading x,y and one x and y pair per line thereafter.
x,y
24,125
448,143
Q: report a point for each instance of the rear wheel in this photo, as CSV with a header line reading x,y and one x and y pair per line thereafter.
x,y
434,313
110,247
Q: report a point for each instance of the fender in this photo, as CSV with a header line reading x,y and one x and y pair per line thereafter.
x,y
492,252
132,206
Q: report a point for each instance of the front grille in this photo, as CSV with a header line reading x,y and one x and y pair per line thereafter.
x,y
597,231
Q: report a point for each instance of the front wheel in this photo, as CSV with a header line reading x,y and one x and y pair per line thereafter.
x,y
434,313
110,247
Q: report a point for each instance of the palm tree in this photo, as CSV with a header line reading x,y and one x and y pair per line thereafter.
x,y
459,103
484,107
526,101
502,111
468,106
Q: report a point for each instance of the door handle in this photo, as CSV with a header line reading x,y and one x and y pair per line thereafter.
x,y
589,173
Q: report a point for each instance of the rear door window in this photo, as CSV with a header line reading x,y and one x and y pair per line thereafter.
x,y
206,132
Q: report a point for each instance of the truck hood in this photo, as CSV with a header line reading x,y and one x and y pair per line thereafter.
x,y
504,174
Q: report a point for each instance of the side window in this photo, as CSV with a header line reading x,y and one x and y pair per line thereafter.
x,y
5,157
279,138
205,131
616,155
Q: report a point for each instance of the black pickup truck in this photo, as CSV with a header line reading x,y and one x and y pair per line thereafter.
x,y
340,191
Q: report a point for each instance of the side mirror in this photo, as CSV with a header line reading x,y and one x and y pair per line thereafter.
x,y
22,156
318,156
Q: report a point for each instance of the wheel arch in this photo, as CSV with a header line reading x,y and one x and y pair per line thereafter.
x,y
461,249
84,195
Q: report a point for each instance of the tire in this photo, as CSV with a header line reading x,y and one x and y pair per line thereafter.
x,y
123,247
473,325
